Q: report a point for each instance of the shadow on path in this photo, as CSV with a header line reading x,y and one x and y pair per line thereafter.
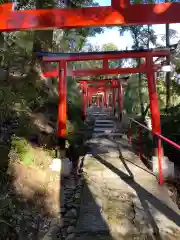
x,y
91,222
145,197
126,146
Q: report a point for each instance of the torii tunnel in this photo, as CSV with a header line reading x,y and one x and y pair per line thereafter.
x,y
121,12
106,87
148,66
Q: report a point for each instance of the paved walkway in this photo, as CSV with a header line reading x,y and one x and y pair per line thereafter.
x,y
121,199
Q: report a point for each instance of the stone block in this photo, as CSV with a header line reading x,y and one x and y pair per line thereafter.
x,y
104,125
63,166
104,121
102,129
167,167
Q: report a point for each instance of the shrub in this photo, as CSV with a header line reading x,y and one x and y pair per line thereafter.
x,y
21,148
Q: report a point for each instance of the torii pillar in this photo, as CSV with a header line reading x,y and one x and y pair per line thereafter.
x,y
84,99
62,108
105,98
90,98
120,99
155,113
98,100
114,99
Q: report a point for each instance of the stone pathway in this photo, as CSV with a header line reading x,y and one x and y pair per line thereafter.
x,y
64,227
121,198
116,198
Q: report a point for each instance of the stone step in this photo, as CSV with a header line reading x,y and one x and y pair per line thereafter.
x,y
94,236
108,236
99,113
102,129
104,121
104,125
107,134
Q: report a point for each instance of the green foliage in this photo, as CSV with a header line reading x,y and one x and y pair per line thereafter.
x,y
131,96
51,152
142,35
109,47
20,147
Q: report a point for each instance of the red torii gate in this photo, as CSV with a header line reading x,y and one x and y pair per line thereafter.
x,y
147,67
94,93
121,12
87,94
104,89
100,85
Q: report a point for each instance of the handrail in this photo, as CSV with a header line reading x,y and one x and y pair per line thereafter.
x,y
160,137
177,146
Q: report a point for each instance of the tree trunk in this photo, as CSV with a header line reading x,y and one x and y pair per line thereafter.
x,y
140,94
140,89
148,42
168,79
42,38
1,48
168,76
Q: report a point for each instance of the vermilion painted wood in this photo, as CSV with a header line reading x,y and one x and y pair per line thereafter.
x,y
101,88
136,14
120,99
53,73
120,13
120,3
56,57
110,71
97,71
153,98
105,98
155,113
114,100
83,102
177,146
62,100
99,82
103,81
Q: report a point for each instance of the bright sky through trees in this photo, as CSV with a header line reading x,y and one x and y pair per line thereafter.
x,y
122,42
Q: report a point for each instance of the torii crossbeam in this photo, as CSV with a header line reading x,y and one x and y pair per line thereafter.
x,y
121,12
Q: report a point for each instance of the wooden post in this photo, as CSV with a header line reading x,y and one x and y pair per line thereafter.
x,y
155,113
62,108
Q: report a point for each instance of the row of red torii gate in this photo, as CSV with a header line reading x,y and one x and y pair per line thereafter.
x,y
104,93
149,65
121,12
150,62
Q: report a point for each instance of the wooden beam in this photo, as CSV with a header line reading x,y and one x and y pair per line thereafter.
x,y
112,55
100,88
120,4
134,14
98,81
110,71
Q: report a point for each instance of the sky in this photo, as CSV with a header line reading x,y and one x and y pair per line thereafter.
x,y
122,42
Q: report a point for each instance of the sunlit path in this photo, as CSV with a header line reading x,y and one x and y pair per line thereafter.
x,y
121,198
